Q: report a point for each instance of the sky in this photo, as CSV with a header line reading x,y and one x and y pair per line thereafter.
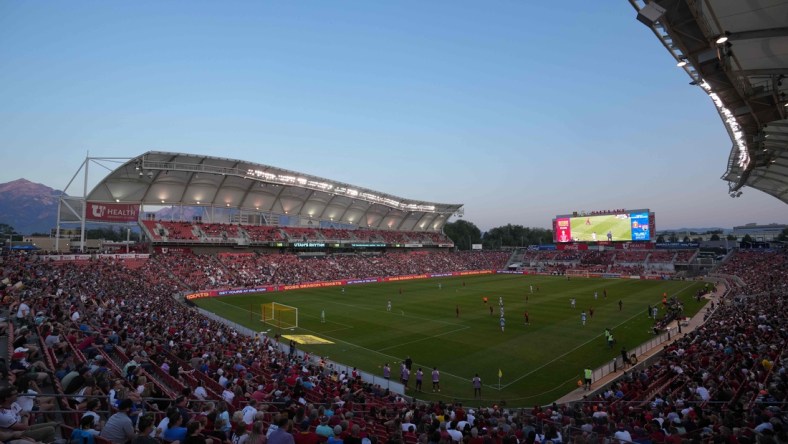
x,y
518,110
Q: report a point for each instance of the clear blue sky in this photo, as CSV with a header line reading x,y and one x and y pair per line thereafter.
x,y
519,110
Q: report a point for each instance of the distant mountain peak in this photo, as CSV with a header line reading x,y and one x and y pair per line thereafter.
x,y
28,206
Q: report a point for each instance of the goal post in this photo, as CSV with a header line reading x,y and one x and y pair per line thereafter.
x,y
578,273
279,315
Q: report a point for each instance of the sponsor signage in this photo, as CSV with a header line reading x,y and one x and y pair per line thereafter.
x,y
368,245
309,244
243,291
173,250
87,257
412,245
635,246
310,285
112,212
677,245
362,281
445,245
572,246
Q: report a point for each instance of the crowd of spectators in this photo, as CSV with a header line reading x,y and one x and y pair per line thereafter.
x,y
761,271
252,269
142,367
168,231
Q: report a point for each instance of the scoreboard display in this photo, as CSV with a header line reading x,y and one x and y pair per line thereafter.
x,y
624,226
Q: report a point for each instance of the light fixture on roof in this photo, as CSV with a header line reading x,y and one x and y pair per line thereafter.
x,y
723,38
117,200
682,62
650,14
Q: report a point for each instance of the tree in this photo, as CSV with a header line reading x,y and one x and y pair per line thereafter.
x,y
6,229
715,237
463,233
731,237
660,239
746,238
673,237
686,239
516,236
783,236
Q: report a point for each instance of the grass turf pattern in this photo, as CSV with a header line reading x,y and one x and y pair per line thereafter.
x,y
540,362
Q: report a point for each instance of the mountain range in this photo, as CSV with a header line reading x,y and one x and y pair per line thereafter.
x,y
28,207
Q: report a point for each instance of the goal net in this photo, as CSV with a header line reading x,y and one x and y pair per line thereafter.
x,y
279,315
579,273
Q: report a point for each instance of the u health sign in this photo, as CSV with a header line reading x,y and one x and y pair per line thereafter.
x,y
112,212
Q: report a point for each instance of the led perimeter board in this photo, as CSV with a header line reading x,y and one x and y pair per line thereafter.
x,y
622,226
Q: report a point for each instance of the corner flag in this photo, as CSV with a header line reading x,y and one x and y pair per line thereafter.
x,y
500,374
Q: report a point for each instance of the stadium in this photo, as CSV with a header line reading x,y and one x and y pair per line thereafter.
x,y
272,300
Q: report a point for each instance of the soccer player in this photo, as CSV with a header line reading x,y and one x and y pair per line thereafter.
x,y
323,316
503,323
573,302
609,236
593,236
604,293
419,377
654,311
386,371
457,310
491,310
591,312
588,373
583,317
501,309
526,318
477,386
532,289
596,295
440,285
620,304
500,301
343,290
388,305
436,379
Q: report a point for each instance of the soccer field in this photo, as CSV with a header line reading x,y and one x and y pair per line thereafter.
x,y
539,362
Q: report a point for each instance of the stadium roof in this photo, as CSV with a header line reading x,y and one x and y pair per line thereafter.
x,y
736,51
158,178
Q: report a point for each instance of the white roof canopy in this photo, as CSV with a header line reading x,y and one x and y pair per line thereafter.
x,y
737,51
159,178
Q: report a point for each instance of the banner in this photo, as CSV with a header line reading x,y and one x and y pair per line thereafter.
x,y
172,250
112,212
677,245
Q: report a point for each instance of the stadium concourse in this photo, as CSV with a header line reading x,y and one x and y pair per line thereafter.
x,y
97,333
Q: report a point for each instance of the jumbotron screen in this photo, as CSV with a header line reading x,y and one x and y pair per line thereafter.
x,y
619,227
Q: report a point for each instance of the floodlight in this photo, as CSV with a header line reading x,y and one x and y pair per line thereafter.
x,y
650,14
682,63
723,38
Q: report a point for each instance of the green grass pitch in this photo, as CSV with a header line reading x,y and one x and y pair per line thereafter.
x,y
540,362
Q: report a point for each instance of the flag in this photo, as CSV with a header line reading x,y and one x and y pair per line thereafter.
x,y
500,374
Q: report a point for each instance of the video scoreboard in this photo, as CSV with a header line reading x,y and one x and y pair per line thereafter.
x,y
615,226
